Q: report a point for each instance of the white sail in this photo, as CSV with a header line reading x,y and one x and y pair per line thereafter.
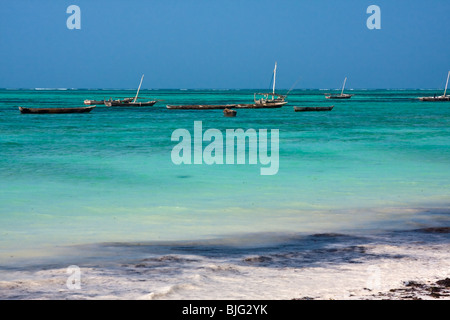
x,y
343,86
137,93
274,77
445,91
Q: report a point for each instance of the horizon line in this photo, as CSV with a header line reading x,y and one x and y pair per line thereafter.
x,y
198,89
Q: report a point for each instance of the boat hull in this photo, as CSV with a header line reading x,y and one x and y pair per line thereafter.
x,y
435,99
299,109
225,106
201,106
345,96
55,110
94,102
267,105
129,104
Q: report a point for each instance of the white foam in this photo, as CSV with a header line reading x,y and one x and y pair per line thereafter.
x,y
328,268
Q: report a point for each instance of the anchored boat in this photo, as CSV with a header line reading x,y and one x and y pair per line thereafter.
x,y
56,110
439,98
327,108
261,100
201,106
97,102
269,100
122,103
130,102
94,102
342,95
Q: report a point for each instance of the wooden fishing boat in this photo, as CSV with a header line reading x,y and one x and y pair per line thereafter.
x,y
435,98
229,113
269,100
260,101
122,103
327,108
130,102
342,95
225,106
94,102
97,102
339,96
56,110
201,106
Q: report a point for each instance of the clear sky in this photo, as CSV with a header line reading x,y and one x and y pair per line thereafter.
x,y
224,44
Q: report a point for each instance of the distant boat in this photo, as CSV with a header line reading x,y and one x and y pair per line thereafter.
x,y
339,96
225,106
130,102
56,110
94,102
123,103
229,113
439,98
327,108
201,106
261,100
97,102
270,100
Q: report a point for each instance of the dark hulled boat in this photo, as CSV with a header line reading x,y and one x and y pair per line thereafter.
x,y
327,108
339,96
94,102
342,95
274,104
130,102
56,110
201,106
260,101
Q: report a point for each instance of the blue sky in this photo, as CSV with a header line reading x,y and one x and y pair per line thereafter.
x,y
224,44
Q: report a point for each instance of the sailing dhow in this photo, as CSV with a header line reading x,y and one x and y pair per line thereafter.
x,y
439,98
261,101
339,96
130,102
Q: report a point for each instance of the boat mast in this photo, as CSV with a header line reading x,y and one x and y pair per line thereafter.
x,y
343,86
135,98
445,91
274,78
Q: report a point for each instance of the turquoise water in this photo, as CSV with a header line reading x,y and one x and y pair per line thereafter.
x,y
380,160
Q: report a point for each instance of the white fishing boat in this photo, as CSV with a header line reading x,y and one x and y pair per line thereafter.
x,y
270,99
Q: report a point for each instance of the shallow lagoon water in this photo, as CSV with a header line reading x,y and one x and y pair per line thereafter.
x,y
375,163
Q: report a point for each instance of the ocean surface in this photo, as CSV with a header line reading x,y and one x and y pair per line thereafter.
x,y
358,188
